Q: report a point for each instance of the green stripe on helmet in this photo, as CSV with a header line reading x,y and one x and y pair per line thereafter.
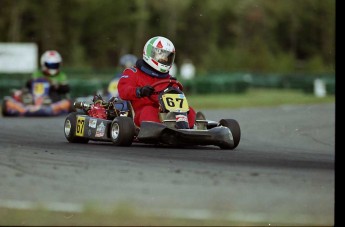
x,y
149,47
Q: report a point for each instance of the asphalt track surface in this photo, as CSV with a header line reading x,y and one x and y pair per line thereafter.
x,y
282,172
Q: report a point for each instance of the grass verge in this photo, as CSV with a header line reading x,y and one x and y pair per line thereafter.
x,y
256,98
121,216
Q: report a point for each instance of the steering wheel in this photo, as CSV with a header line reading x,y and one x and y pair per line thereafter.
x,y
166,81
169,82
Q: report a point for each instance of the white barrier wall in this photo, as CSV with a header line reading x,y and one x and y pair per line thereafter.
x,y
18,57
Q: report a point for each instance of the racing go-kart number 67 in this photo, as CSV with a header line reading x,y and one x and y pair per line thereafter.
x,y
112,121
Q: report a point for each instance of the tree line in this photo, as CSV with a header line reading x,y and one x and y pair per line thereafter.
x,y
279,36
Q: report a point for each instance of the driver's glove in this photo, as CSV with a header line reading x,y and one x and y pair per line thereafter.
x,y
145,91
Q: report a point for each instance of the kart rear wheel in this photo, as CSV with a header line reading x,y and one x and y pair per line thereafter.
x,y
122,131
70,127
235,130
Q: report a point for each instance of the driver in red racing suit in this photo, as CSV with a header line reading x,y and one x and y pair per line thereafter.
x,y
135,83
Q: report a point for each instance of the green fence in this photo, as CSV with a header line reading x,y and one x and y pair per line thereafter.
x,y
217,83
88,83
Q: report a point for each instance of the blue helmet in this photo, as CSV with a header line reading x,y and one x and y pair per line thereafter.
x,y
128,60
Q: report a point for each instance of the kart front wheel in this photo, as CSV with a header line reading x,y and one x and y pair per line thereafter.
x,y
234,128
70,129
122,131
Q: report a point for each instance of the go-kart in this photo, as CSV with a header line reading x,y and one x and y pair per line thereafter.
x,y
103,121
36,101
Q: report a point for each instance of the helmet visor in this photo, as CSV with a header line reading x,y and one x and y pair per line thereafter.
x,y
162,56
52,65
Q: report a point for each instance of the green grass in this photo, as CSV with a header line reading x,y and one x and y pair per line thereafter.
x,y
121,216
255,98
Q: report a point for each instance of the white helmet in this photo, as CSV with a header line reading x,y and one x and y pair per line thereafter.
x,y
159,53
50,62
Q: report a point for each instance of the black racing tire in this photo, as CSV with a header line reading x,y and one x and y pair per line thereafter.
x,y
4,109
122,131
235,129
70,127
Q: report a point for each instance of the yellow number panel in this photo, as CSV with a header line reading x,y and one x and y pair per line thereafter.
x,y
175,102
38,88
80,126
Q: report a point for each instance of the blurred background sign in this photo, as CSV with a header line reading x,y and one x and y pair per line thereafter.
x,y
18,57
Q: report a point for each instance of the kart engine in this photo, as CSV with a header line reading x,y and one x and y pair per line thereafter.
x,y
97,110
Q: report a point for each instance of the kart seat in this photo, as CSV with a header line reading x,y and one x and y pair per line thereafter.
x,y
131,113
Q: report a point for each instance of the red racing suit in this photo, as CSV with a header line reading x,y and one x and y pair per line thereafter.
x,y
145,108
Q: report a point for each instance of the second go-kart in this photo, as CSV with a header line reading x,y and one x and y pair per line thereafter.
x,y
110,121
35,102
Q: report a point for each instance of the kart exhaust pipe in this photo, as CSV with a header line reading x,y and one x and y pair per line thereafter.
x,y
81,105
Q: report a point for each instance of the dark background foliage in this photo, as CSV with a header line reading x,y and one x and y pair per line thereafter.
x,y
279,36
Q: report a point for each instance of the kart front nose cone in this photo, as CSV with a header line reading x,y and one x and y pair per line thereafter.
x,y
67,127
115,131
